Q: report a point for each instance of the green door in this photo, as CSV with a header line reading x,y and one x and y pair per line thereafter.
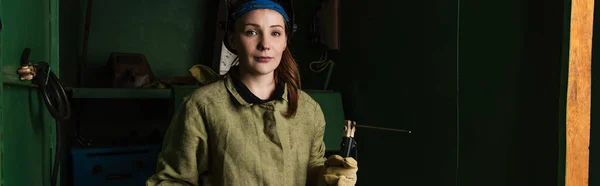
x,y
26,127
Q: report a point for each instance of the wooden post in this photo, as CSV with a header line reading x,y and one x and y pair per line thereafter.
x,y
579,93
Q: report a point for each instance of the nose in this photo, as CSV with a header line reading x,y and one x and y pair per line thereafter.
x,y
263,44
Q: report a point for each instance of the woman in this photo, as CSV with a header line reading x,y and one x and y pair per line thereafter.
x,y
255,126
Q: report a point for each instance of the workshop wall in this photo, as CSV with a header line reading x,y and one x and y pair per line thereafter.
x,y
489,80
510,56
397,68
171,34
70,25
422,66
508,70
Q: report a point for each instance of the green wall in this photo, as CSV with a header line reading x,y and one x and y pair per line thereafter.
x,y
171,34
27,130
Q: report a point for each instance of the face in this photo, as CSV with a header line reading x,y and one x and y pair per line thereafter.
x,y
259,40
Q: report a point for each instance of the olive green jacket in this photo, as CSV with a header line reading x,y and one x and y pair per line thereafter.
x,y
216,139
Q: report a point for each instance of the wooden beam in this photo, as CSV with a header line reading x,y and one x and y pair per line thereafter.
x,y
579,93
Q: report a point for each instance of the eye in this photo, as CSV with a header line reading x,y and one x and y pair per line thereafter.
x,y
250,33
276,34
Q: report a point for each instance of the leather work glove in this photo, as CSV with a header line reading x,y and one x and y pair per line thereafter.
x,y
340,171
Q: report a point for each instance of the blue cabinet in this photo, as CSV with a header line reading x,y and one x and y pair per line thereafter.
x,y
121,166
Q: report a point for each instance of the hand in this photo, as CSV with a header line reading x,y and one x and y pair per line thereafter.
x,y
341,171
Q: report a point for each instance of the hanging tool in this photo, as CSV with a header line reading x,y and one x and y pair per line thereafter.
x,y
54,97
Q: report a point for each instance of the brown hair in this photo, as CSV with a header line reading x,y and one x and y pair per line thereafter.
x,y
287,71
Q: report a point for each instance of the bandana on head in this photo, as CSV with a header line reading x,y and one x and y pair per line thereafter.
x,y
259,4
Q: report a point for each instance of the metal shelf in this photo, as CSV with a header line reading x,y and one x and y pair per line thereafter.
x,y
121,93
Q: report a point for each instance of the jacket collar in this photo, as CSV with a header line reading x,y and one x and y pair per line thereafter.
x,y
243,95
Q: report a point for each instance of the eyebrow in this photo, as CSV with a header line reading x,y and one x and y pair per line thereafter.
x,y
256,25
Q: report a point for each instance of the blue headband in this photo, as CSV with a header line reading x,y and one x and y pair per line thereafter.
x,y
259,4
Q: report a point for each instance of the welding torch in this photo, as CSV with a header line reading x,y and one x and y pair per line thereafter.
x,y
348,142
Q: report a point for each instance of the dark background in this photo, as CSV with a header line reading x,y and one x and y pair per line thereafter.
x,y
478,82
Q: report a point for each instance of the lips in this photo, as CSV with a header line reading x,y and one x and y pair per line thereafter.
x,y
263,59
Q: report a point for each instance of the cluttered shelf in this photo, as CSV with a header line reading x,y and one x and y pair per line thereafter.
x,y
145,85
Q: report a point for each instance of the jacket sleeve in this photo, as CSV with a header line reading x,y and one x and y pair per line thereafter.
x,y
317,154
184,151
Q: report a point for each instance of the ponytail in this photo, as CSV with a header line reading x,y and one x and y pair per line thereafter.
x,y
288,73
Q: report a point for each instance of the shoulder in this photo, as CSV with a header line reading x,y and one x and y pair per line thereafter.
x,y
310,111
306,102
212,93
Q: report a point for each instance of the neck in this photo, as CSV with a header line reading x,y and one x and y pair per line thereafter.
x,y
262,86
